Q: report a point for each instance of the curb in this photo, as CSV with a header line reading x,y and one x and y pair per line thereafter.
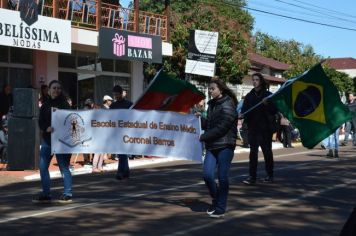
x,y
87,169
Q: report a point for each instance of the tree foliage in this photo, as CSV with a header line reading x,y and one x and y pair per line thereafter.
x,y
301,57
342,81
232,23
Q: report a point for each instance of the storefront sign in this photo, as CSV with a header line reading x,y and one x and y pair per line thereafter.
x,y
202,53
135,132
43,33
125,45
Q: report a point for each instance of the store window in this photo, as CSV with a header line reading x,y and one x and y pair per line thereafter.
x,y
122,66
4,54
21,55
86,61
87,76
66,61
16,67
20,78
3,77
105,65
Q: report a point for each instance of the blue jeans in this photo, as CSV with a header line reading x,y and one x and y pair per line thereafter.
x,y
220,159
63,161
123,167
333,140
348,131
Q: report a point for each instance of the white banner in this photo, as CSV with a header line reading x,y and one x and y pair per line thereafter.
x,y
135,132
47,33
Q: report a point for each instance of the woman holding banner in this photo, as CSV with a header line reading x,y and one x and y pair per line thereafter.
x,y
56,100
220,140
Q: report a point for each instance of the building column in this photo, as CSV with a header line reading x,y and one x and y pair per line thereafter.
x,y
3,4
52,66
45,67
137,16
39,68
136,80
167,9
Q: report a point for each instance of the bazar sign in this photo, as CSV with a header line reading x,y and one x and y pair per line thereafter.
x,y
125,45
46,33
135,132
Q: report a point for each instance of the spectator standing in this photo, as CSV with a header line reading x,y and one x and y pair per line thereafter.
x,y
4,136
286,131
260,127
220,134
99,158
348,127
123,169
6,100
107,101
88,105
56,100
243,131
43,94
332,143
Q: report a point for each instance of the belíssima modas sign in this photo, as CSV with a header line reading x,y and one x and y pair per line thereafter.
x,y
48,34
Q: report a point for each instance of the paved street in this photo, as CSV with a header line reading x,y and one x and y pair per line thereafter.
x,y
311,195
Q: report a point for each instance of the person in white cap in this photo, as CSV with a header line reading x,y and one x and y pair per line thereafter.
x,y
99,158
107,100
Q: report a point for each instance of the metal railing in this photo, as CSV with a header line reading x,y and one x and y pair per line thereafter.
x,y
84,14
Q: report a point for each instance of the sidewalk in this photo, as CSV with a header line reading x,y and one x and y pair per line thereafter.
x,y
78,168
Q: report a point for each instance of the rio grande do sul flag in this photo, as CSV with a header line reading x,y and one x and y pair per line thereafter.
x,y
167,93
312,103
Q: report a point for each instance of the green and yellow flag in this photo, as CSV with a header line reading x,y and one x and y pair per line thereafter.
x,y
312,103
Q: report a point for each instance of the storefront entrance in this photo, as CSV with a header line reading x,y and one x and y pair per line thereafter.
x,y
84,75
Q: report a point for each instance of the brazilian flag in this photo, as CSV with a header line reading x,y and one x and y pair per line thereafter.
x,y
312,103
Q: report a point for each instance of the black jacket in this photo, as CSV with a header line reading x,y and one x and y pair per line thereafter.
x,y
259,118
44,120
220,125
121,104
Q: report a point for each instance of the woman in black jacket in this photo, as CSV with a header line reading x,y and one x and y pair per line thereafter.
x,y
261,122
55,100
220,133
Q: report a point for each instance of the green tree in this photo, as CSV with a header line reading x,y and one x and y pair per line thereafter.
x,y
233,24
301,57
288,51
342,81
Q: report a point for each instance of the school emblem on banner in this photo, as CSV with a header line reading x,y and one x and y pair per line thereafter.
x,y
75,131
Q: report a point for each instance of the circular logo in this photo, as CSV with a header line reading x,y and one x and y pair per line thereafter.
x,y
307,101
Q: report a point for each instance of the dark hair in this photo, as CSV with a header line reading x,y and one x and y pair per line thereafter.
x,y
117,89
224,89
88,102
61,96
4,87
54,82
264,84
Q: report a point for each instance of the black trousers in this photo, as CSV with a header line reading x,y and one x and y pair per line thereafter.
x,y
287,135
263,140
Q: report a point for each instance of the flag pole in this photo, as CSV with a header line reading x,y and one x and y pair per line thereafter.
x,y
148,87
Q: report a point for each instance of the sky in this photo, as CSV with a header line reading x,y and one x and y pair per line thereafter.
x,y
125,3
326,41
